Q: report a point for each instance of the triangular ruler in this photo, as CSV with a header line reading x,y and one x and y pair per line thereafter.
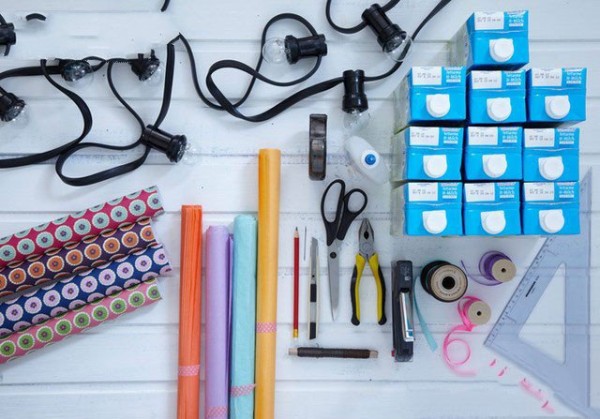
x,y
570,380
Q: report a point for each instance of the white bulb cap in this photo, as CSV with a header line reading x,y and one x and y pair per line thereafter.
x,y
435,221
435,166
499,109
502,49
493,222
494,165
551,168
438,105
552,221
366,160
557,107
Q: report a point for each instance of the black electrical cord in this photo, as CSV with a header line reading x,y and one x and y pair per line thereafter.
x,y
44,70
165,5
232,108
354,29
7,34
130,166
255,73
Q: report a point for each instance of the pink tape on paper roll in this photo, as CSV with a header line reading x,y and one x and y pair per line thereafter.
x,y
81,225
76,321
473,312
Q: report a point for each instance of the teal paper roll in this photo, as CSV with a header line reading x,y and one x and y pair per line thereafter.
x,y
241,402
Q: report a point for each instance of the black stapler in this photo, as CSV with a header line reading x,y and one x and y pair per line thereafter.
x,y
402,310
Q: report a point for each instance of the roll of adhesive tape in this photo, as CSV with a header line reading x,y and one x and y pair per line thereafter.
x,y
494,165
435,166
435,222
478,312
557,107
552,221
502,49
551,168
499,109
493,222
444,281
438,105
366,160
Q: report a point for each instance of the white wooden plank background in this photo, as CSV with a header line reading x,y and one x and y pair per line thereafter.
x,y
128,369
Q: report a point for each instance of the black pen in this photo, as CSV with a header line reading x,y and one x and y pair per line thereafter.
x,y
333,353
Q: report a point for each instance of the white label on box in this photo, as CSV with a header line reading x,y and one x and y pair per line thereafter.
x,y
427,76
489,21
546,77
483,136
480,192
486,79
420,192
539,191
539,137
424,136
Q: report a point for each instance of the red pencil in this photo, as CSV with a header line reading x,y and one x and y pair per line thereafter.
x,y
296,279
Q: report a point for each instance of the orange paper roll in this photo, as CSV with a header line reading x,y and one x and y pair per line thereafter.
x,y
188,383
269,168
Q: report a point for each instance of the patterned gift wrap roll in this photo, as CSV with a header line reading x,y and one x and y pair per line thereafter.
x,y
81,225
86,287
76,258
76,321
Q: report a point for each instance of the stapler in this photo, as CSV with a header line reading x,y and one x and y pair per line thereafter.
x,y
402,310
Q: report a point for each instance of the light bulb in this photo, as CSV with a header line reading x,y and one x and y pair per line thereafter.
x,y
12,108
192,153
395,42
148,69
274,51
78,73
399,47
356,120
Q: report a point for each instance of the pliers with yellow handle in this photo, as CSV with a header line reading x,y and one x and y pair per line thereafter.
x,y
366,253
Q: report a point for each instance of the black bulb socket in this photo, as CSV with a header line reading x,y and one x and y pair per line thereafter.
x,y
145,67
355,98
11,106
382,26
8,37
173,146
74,70
298,48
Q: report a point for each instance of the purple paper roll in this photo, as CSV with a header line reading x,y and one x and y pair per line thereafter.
x,y
217,322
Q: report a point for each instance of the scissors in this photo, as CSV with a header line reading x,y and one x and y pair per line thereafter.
x,y
336,232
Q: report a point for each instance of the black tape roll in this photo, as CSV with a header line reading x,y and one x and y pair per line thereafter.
x,y
444,281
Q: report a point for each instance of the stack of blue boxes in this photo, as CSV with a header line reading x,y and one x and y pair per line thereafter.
x,y
484,147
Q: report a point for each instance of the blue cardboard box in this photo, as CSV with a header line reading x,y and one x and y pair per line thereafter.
x,y
496,97
551,208
492,40
492,209
551,154
556,95
427,209
431,95
427,153
494,153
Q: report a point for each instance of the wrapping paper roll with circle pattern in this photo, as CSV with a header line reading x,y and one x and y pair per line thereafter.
x,y
86,287
79,226
76,321
73,259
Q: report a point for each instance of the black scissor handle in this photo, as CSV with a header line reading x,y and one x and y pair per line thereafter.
x,y
348,216
331,226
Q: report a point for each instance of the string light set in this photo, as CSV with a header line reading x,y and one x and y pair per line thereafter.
x,y
394,41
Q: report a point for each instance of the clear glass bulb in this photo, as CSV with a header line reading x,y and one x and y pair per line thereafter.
x,y
355,121
16,118
274,51
78,74
192,153
398,48
156,78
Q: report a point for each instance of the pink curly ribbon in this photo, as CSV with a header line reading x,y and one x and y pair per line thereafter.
x,y
189,370
270,327
217,412
239,391
466,326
